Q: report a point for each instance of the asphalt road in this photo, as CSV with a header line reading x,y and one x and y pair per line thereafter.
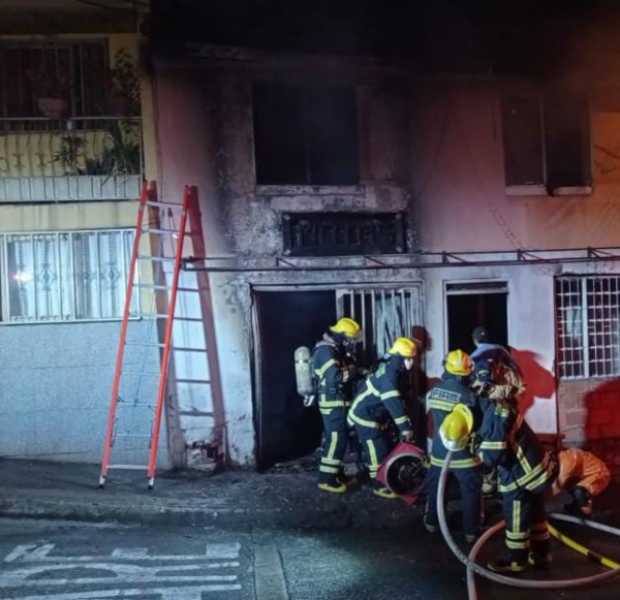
x,y
48,560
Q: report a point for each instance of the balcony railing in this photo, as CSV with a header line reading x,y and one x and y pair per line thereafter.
x,y
77,159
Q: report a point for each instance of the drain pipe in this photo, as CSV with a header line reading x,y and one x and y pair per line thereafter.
x,y
475,568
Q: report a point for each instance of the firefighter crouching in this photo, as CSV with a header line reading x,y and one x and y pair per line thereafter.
x,y
524,473
582,475
379,401
441,400
330,369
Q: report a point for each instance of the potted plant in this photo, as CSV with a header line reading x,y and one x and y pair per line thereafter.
x,y
51,88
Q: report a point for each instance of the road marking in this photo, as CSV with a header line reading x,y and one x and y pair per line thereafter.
x,y
33,566
166,593
269,581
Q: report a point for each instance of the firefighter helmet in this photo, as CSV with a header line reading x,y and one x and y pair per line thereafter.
x,y
347,327
459,363
404,347
456,428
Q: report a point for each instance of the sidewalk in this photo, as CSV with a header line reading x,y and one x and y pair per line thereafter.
x,y
232,499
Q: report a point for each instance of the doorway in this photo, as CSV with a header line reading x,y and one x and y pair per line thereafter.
x,y
471,304
285,320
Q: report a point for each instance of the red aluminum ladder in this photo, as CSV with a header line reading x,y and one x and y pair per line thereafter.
x,y
189,214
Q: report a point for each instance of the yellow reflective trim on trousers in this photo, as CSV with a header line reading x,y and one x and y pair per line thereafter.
x,y
516,545
401,420
326,469
373,467
390,394
335,462
331,403
320,372
463,463
517,535
354,419
441,405
516,516
326,411
493,446
332,445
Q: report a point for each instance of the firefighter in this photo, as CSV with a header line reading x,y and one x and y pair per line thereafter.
x,y
496,377
379,402
331,370
441,400
583,475
524,473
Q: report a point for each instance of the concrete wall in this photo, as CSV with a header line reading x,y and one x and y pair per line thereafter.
x,y
432,150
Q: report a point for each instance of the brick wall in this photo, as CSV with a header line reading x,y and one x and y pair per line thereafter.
x,y
589,417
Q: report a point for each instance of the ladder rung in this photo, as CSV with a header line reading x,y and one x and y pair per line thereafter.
x,y
158,230
164,316
195,413
156,258
145,344
128,467
186,349
152,286
157,203
192,380
184,289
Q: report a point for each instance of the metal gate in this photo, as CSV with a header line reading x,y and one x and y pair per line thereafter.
x,y
383,313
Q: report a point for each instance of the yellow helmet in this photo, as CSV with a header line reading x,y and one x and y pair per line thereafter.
x,y
404,347
459,363
456,428
347,327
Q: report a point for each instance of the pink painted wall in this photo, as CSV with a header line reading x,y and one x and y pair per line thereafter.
x,y
458,180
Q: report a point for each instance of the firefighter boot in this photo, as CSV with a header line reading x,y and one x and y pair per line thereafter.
x,y
378,489
515,561
539,556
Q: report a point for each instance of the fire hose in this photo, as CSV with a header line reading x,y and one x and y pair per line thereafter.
x,y
474,568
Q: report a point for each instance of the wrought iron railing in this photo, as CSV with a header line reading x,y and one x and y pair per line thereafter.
x,y
41,158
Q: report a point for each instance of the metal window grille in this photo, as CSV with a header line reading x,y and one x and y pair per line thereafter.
x,y
383,313
588,326
65,276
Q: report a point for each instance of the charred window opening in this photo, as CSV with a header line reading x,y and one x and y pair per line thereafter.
x,y
546,140
305,135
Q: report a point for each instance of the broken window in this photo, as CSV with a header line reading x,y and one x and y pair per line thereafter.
x,y
305,135
588,326
546,140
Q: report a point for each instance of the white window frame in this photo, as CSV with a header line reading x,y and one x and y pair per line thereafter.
x,y
585,326
4,277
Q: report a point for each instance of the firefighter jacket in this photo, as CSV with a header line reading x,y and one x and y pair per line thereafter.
x,y
581,468
440,401
326,366
381,399
508,442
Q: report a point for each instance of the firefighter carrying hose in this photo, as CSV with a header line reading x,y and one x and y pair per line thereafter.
x,y
330,367
379,402
524,473
441,400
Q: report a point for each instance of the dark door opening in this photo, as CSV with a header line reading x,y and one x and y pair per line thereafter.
x,y
468,308
284,321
